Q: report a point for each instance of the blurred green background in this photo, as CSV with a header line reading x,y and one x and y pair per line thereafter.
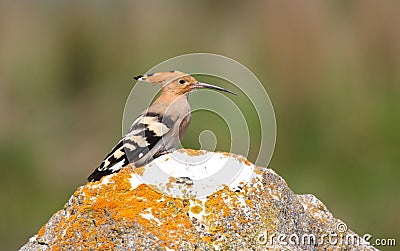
x,y
332,70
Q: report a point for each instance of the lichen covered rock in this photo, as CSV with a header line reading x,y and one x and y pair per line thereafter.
x,y
194,204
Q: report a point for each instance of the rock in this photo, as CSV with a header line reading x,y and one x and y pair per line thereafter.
x,y
194,200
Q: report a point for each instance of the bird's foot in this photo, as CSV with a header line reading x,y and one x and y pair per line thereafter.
x,y
184,180
162,153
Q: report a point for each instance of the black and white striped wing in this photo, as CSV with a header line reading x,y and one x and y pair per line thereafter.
x,y
144,140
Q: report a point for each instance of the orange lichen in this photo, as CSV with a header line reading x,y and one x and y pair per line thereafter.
x,y
116,201
274,195
225,154
171,179
196,209
192,152
42,230
139,170
240,158
259,170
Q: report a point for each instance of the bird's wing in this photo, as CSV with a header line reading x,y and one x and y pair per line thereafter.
x,y
144,139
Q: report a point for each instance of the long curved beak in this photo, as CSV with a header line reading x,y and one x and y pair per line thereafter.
x,y
199,85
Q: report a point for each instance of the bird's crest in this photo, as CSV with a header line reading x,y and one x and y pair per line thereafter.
x,y
161,78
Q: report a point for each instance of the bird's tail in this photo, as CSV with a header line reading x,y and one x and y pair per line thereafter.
x,y
97,175
113,162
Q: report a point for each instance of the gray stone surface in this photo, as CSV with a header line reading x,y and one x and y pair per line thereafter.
x,y
254,210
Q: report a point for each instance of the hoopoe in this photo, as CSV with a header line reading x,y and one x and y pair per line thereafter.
x,y
159,128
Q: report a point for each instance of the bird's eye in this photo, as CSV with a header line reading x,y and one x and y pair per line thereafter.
x,y
182,81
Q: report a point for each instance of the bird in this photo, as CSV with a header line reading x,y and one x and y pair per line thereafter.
x,y
160,128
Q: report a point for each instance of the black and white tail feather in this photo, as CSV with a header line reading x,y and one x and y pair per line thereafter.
x,y
145,141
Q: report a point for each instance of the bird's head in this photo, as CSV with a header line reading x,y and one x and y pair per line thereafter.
x,y
176,82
